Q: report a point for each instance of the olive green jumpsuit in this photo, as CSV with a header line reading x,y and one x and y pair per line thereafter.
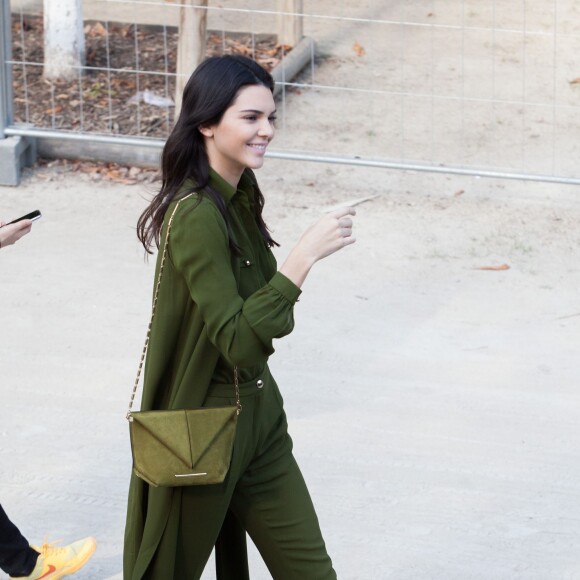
x,y
216,311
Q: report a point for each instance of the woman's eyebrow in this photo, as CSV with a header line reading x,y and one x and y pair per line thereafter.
x,y
257,111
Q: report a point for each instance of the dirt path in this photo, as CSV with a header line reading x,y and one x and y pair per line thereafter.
x,y
433,404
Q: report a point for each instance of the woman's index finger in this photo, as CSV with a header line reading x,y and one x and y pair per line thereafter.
x,y
351,203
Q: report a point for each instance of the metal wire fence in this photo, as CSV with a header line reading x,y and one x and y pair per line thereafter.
x,y
487,87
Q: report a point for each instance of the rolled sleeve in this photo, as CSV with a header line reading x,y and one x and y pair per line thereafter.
x,y
285,287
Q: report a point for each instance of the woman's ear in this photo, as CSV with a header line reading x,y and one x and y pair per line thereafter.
x,y
206,131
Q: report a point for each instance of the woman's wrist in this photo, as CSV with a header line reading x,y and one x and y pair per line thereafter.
x,y
297,266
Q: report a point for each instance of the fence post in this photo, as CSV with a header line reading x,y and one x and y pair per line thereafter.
x,y
190,45
15,152
5,88
290,28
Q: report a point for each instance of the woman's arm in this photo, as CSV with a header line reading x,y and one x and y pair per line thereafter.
x,y
241,329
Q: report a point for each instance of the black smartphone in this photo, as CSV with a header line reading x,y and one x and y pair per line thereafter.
x,y
33,215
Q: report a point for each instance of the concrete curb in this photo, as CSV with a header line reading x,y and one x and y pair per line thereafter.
x,y
15,153
67,147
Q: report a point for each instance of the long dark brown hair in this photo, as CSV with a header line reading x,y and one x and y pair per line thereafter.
x,y
209,92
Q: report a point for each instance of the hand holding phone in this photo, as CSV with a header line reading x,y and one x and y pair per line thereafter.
x,y
11,232
32,216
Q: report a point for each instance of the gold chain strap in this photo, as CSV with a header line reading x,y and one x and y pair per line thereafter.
x,y
155,297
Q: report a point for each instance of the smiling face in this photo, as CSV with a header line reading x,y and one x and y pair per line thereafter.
x,y
240,139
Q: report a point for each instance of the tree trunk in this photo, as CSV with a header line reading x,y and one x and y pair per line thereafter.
x,y
64,42
290,28
191,44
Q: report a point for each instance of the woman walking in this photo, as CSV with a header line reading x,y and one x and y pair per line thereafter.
x,y
221,303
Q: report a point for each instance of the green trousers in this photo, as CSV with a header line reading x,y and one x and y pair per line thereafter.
x,y
264,491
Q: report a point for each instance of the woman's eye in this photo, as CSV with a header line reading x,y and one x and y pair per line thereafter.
x,y
273,119
250,117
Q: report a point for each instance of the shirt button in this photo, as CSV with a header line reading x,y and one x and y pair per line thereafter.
x,y
260,383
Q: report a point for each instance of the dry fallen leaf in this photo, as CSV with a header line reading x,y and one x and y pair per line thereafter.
x,y
269,62
279,48
460,192
53,110
575,81
240,48
96,29
495,268
125,31
359,50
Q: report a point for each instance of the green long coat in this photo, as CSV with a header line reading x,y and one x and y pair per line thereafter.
x,y
215,311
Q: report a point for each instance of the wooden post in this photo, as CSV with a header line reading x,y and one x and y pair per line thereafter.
x,y
290,28
191,44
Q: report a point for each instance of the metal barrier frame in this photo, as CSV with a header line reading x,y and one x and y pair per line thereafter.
x,y
18,144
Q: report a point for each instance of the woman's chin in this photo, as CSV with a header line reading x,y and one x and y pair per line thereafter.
x,y
255,163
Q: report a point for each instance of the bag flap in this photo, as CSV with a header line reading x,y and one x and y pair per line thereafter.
x,y
187,434
169,428
205,428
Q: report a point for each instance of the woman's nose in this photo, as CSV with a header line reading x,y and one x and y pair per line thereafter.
x,y
266,128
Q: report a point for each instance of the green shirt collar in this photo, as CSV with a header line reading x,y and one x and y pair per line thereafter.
x,y
245,186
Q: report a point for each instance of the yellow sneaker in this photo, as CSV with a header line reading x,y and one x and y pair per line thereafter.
x,y
54,563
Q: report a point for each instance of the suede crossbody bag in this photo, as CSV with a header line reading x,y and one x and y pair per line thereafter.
x,y
182,446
